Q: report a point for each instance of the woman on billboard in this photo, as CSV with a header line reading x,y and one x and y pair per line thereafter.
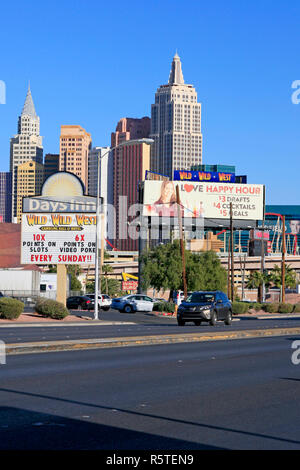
x,y
166,204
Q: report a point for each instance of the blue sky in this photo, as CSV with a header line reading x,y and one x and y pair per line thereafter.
x,y
93,62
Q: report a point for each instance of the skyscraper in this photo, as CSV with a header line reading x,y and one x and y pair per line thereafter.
x,y
175,125
5,196
130,162
26,145
75,144
51,164
30,178
106,182
129,129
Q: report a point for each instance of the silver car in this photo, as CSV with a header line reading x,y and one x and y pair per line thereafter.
x,y
133,303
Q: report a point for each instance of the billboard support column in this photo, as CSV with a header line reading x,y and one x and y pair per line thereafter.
x,y
231,255
61,284
101,252
283,261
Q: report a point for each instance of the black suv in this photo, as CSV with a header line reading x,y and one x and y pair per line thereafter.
x,y
205,307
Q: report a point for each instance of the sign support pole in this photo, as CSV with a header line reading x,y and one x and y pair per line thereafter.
x,y
61,289
181,242
231,255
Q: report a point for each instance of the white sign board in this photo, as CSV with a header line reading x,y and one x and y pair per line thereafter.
x,y
58,238
208,200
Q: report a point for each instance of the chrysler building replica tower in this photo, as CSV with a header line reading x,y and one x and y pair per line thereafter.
x,y
25,147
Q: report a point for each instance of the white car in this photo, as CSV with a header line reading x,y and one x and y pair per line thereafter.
x,y
104,301
133,303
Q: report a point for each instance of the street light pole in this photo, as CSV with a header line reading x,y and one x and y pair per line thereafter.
x,y
99,162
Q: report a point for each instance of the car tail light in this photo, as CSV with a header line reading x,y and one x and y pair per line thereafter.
x,y
88,301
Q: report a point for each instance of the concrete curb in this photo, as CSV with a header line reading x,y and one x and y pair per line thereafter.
x,y
269,317
54,325
76,345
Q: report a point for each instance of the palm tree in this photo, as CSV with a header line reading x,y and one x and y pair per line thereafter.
x,y
256,281
290,277
106,269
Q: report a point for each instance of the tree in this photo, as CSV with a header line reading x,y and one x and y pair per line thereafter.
x,y
113,287
106,269
205,272
162,269
275,277
256,281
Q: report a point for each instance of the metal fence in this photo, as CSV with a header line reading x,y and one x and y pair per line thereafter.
x,y
30,297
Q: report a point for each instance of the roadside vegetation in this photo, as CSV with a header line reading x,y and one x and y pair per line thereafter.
x,y
162,269
51,309
10,309
239,308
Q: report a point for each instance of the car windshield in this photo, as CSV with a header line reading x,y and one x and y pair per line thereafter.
x,y
198,297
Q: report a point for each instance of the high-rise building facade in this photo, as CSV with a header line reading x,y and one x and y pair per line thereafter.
x,y
175,125
106,189
129,129
5,196
51,164
130,162
75,144
30,178
25,146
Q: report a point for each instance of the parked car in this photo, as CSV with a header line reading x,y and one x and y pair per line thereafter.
x,y
78,301
159,299
205,307
133,303
104,301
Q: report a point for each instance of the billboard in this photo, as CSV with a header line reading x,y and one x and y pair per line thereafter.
x,y
206,200
58,238
195,176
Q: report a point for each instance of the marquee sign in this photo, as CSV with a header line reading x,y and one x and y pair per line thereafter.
x,y
59,227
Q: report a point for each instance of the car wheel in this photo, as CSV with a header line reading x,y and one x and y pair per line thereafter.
x,y
128,309
228,319
213,319
105,309
180,322
197,323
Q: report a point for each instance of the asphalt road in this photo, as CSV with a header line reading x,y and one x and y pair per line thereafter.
x,y
222,395
137,324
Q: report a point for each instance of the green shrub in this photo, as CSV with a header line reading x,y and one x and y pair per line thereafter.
x,y
239,307
285,308
257,306
10,309
296,308
167,307
51,308
270,308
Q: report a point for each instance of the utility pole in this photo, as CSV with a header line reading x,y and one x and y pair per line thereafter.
x,y
283,261
262,287
181,241
231,255
228,273
242,265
